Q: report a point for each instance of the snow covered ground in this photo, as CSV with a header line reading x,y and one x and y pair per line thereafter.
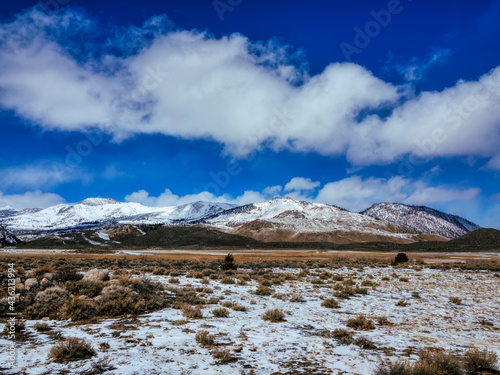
x,y
163,342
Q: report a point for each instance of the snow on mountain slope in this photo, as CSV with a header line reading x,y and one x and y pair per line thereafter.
x,y
186,212
285,219
7,239
421,218
101,210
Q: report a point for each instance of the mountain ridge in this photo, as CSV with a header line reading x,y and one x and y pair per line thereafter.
x,y
278,219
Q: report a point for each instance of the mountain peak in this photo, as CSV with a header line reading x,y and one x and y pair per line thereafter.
x,y
98,201
421,218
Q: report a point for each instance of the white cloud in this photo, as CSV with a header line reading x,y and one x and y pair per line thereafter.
x,y
30,199
242,94
273,190
300,184
167,198
414,70
40,174
432,194
356,194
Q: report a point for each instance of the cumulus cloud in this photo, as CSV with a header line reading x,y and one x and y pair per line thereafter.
x,y
30,199
301,184
245,95
356,194
432,194
167,198
40,174
353,193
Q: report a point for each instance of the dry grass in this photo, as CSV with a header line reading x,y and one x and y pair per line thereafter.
x,y
274,315
204,338
221,312
192,312
361,322
330,303
480,361
72,349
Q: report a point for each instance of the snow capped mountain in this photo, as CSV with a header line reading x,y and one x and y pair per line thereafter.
x,y
92,212
8,211
7,239
422,219
279,219
284,219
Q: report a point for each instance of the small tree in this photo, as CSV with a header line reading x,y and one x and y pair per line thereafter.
x,y
228,263
401,258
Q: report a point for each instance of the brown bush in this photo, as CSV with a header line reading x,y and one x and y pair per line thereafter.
x,y
360,322
274,315
330,303
221,312
191,312
204,338
480,361
72,349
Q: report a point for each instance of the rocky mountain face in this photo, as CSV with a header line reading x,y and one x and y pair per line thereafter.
x,y
96,212
422,219
284,219
7,239
276,220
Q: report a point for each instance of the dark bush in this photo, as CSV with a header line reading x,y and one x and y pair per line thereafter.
x,y
228,263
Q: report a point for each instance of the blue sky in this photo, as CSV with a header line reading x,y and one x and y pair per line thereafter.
x,y
165,102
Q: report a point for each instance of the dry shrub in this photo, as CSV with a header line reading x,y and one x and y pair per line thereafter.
x,y
456,300
237,307
192,312
365,343
330,303
87,288
263,291
204,338
361,322
223,356
221,312
395,368
480,361
40,271
274,315
227,281
383,321
437,363
41,327
72,349
343,336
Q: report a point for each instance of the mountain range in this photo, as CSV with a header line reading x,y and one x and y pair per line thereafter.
x,y
99,220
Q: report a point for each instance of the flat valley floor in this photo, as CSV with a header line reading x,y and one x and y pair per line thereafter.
x,y
406,308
